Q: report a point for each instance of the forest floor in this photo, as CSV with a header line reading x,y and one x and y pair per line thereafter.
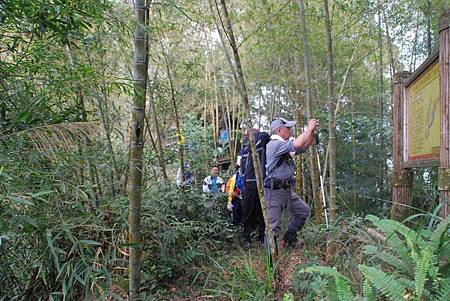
x,y
238,274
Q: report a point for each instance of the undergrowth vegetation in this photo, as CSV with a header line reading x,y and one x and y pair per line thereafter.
x,y
63,237
389,261
51,248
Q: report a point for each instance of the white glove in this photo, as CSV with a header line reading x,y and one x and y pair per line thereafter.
x,y
229,206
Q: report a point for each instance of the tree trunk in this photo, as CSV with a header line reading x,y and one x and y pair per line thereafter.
x,y
341,93
160,151
152,140
136,147
312,157
272,103
94,185
260,105
255,157
79,91
390,52
205,116
220,29
331,116
103,110
215,107
85,147
107,129
352,112
229,125
383,169
236,113
180,136
412,65
297,106
428,15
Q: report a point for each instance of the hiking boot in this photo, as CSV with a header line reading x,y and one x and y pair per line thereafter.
x,y
289,240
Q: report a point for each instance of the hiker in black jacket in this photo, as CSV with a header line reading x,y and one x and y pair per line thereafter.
x,y
252,216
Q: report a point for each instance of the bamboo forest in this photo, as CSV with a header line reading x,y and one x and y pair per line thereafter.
x,y
225,150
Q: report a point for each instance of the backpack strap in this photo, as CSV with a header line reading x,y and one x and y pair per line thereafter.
x,y
282,159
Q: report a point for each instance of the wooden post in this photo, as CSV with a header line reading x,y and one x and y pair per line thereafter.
x,y
444,71
402,178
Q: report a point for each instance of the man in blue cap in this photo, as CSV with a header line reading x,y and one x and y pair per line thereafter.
x,y
279,181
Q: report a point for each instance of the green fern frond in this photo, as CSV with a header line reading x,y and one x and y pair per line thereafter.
x,y
443,293
406,252
342,283
434,266
399,248
413,253
392,238
389,226
323,270
387,284
370,249
422,267
439,235
397,263
409,234
372,218
368,291
343,289
408,283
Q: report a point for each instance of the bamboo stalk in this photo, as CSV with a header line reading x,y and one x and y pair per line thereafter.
x,y
383,167
136,146
228,125
297,106
312,157
158,146
205,110
331,116
245,101
180,137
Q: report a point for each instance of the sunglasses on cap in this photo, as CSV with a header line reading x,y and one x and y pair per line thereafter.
x,y
283,120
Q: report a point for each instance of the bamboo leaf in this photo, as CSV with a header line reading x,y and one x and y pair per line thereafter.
x,y
52,250
90,242
20,200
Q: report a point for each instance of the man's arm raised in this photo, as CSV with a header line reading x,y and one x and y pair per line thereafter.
x,y
307,137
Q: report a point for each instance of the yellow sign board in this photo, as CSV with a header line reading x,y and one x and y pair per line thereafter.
x,y
423,116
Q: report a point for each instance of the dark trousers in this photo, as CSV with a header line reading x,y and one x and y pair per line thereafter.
x,y
237,211
252,215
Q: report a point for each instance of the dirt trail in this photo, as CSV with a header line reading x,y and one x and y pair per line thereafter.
x,y
289,261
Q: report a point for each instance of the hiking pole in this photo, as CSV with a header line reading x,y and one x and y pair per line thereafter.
x,y
324,202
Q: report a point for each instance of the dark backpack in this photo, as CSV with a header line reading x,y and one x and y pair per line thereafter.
x,y
246,169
